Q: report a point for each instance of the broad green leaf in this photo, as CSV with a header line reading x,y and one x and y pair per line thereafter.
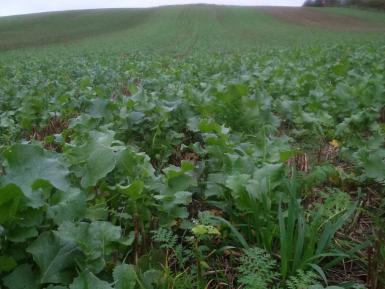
x,y
68,206
133,168
236,183
151,277
87,280
28,164
173,199
93,160
180,179
375,167
95,239
285,155
124,277
99,108
129,160
7,263
21,234
207,126
98,211
133,191
26,226
180,182
21,278
99,163
10,197
55,257
270,175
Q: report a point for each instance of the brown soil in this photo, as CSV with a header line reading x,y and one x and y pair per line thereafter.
x,y
55,125
381,119
179,155
328,21
299,162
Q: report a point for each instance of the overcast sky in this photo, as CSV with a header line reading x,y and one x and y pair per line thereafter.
x,y
14,7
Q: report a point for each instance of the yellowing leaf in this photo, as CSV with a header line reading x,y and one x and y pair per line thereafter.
x,y
200,230
335,143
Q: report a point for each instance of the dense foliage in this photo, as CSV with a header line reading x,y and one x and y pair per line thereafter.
x,y
361,3
260,169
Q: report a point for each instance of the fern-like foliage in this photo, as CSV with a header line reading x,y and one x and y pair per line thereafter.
x,y
302,280
257,269
165,238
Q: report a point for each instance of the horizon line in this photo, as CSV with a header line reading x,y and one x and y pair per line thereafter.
x,y
147,7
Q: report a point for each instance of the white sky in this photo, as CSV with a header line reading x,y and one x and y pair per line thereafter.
x,y
14,7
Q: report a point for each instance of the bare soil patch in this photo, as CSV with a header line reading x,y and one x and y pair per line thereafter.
x,y
329,21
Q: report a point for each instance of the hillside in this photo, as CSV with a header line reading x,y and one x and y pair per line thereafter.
x,y
181,27
62,27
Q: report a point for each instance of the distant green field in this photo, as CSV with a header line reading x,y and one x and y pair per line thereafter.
x,y
168,29
62,27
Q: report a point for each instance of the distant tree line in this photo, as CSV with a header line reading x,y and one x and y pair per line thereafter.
x,y
362,3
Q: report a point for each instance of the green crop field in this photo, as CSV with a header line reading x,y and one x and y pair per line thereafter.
x,y
193,146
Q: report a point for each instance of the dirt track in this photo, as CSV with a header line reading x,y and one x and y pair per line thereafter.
x,y
329,21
